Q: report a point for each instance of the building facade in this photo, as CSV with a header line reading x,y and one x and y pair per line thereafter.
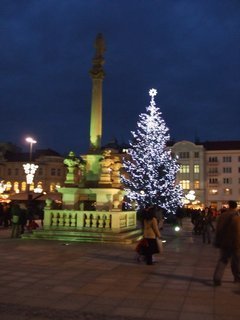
x,y
222,163
191,175
50,174
209,172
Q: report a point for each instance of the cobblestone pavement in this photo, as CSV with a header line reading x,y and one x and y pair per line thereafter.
x,y
42,280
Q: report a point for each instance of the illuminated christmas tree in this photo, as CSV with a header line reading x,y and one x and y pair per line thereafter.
x,y
150,169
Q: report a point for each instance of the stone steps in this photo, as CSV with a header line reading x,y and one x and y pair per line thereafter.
x,y
126,236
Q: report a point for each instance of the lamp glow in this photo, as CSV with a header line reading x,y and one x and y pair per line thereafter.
x,y
31,141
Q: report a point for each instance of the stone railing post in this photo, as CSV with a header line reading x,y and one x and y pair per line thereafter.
x,y
47,218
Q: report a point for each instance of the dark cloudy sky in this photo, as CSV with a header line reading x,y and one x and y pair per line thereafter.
x,y
189,50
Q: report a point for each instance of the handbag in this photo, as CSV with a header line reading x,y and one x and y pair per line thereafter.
x,y
142,244
160,245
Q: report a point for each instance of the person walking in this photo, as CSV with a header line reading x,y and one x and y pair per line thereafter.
x,y
15,214
206,223
150,233
228,241
22,218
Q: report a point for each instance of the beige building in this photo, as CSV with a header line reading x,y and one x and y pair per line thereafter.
x,y
49,176
209,172
190,156
222,162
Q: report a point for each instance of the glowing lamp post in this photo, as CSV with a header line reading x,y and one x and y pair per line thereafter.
x,y
31,141
30,168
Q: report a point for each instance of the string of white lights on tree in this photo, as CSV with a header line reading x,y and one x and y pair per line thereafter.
x,y
150,168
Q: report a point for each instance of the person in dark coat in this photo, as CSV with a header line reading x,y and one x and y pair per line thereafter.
x,y
150,233
23,218
228,241
15,212
206,223
1,214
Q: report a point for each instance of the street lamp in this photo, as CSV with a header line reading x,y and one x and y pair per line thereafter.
x,y
30,168
31,141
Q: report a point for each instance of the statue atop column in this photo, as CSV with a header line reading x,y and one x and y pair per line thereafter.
x,y
100,46
97,71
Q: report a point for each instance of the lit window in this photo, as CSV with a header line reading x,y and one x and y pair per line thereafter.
x,y
184,168
196,168
52,187
16,187
196,184
31,186
227,191
185,184
23,186
213,191
8,186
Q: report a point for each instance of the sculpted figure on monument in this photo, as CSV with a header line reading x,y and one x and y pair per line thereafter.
x,y
106,161
73,163
97,71
100,46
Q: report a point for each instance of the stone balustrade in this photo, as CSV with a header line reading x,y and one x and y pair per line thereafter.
x,y
95,220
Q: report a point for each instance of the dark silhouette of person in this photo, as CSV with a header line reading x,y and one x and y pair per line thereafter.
x,y
228,241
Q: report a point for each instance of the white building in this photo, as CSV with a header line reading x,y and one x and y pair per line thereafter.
x,y
191,174
222,161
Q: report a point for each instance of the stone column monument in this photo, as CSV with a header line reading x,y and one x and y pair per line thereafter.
x,y
97,75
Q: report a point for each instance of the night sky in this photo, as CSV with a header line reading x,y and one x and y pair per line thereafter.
x,y
189,50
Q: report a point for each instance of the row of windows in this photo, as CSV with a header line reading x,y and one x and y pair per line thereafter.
x,y
185,184
186,155
184,168
53,172
226,191
22,186
224,159
225,180
196,169
224,170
